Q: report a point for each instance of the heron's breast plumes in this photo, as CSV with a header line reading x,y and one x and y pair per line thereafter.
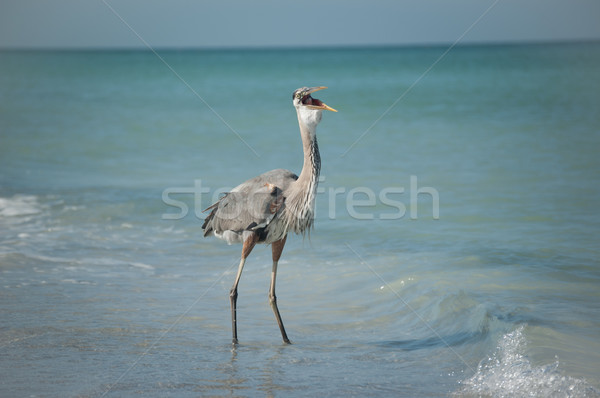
x,y
300,202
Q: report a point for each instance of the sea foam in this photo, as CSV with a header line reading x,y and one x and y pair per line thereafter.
x,y
19,205
509,373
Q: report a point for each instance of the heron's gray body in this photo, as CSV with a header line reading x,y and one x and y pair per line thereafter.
x,y
255,205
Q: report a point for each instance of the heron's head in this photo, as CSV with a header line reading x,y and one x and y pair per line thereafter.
x,y
309,109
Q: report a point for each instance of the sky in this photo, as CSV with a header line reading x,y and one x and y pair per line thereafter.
x,y
270,23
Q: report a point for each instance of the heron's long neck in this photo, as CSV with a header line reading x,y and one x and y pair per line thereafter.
x,y
312,160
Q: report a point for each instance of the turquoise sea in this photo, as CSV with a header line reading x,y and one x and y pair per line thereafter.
x,y
456,249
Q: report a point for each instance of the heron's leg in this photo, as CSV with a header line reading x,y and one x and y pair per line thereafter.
x,y
277,248
249,243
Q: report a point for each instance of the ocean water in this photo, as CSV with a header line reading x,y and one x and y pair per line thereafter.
x,y
456,247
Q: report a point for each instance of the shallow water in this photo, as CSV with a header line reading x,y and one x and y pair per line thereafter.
x,y
108,288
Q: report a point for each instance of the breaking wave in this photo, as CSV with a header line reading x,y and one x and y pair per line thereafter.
x,y
19,205
509,373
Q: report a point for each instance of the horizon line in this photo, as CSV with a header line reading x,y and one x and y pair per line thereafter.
x,y
482,43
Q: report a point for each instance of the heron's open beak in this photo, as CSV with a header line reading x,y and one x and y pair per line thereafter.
x,y
314,103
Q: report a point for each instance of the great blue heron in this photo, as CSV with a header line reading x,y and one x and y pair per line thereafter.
x,y
265,208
